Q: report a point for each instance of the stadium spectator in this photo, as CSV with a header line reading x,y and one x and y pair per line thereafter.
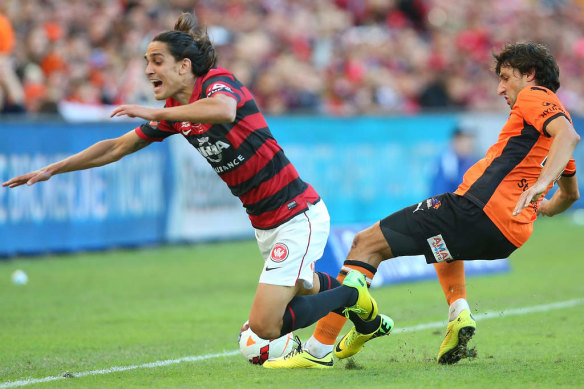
x,y
454,162
336,57
219,117
490,214
11,91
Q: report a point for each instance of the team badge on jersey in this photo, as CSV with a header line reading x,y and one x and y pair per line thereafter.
x,y
279,252
439,248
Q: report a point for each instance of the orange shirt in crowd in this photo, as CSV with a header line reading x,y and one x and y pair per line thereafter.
x,y
6,35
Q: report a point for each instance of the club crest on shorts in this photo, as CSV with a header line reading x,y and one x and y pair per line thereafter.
x,y
279,252
433,203
439,248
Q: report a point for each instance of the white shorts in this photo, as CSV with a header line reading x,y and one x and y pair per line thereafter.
x,y
291,249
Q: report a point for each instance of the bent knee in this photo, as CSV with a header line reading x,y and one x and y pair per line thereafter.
x,y
370,246
358,240
363,244
264,329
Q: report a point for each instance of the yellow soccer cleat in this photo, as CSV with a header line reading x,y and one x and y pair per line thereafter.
x,y
352,343
299,358
458,333
366,307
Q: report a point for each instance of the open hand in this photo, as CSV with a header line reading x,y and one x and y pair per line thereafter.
x,y
133,111
28,179
531,195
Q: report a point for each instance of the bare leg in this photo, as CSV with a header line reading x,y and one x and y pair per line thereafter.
x,y
269,304
370,246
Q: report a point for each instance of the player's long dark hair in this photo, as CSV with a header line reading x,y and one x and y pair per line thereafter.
x,y
189,41
527,56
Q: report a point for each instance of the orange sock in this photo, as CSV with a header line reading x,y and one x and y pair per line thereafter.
x,y
452,280
329,327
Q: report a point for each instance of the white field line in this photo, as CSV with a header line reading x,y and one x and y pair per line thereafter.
x,y
436,324
115,369
495,314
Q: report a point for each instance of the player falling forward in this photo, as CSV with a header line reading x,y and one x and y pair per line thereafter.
x,y
214,112
490,215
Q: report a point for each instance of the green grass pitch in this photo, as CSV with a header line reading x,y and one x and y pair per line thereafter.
x,y
94,311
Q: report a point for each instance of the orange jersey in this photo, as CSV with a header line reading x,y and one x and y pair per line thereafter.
x,y
514,163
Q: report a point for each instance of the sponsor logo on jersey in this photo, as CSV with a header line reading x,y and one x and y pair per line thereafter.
x,y
279,252
550,108
229,165
439,248
198,128
211,150
187,127
218,87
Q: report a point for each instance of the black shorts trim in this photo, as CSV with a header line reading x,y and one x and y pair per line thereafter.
x,y
446,227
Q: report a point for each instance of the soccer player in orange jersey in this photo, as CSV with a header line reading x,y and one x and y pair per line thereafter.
x,y
491,213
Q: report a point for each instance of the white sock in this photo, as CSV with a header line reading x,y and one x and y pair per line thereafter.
x,y
456,307
318,349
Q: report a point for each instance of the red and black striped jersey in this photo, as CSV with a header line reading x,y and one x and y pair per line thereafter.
x,y
514,163
243,153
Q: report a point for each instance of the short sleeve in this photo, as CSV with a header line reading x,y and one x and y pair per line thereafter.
x,y
539,106
155,131
224,85
570,169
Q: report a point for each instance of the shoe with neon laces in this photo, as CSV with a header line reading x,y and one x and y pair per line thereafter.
x,y
458,333
365,307
353,341
299,358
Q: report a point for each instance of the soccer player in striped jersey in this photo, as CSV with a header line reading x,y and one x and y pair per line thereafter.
x,y
218,116
492,211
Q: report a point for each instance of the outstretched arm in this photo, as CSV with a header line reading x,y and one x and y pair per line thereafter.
x,y
101,153
561,150
216,109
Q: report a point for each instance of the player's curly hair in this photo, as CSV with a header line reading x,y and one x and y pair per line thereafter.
x,y
530,56
192,42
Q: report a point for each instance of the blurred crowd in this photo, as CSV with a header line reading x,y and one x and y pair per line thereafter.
x,y
338,57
